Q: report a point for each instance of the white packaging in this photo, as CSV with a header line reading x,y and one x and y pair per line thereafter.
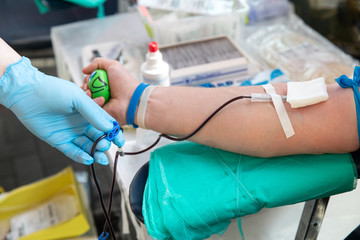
x,y
211,7
301,94
207,60
179,25
260,10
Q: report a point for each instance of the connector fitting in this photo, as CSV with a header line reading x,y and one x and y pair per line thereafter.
x,y
114,132
263,97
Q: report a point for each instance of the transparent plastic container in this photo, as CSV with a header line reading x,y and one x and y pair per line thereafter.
x,y
166,26
301,56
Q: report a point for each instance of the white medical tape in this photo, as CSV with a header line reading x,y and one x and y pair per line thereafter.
x,y
143,105
280,110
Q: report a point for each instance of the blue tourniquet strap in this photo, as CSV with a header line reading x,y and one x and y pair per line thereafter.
x,y
346,82
130,115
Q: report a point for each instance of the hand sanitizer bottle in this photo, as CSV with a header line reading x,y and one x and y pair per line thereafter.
x,y
154,70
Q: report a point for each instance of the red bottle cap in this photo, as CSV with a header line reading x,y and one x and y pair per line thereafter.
x,y
153,47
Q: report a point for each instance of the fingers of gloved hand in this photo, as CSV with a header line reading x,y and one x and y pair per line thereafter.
x,y
94,134
104,144
75,153
96,116
119,140
101,158
86,145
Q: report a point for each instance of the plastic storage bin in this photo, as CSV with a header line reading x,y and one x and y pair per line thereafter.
x,y
167,27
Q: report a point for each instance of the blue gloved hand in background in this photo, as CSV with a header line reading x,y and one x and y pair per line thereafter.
x,y
57,111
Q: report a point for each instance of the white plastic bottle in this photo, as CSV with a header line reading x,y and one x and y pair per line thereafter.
x,y
154,71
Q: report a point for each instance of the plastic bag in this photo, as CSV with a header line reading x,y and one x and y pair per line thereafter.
x,y
299,56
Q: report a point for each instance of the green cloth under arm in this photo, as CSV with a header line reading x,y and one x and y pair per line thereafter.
x,y
193,191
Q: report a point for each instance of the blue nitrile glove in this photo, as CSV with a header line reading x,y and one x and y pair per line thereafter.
x,y
57,111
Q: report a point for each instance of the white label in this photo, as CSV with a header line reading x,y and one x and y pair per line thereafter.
x,y
34,220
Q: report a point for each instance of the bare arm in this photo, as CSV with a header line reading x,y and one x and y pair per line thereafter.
x,y
7,56
242,127
254,128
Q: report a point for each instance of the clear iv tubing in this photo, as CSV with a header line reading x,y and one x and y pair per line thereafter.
x,y
107,213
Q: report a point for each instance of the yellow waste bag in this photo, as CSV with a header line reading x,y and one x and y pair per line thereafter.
x,y
57,196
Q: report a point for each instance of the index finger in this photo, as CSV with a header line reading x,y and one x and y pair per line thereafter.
x,y
97,63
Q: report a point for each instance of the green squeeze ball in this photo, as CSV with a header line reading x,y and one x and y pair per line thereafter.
x,y
99,84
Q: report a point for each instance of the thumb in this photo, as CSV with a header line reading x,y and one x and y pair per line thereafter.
x,y
93,113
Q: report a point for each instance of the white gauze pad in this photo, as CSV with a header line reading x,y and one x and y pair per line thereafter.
x,y
301,94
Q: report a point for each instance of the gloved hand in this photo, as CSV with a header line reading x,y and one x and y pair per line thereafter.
x,y
57,111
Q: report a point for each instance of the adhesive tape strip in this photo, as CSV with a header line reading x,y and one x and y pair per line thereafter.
x,y
143,105
280,110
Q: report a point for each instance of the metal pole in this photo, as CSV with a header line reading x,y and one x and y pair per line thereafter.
x,y
311,219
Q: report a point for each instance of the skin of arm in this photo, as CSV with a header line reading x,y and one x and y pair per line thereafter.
x,y
7,56
242,127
